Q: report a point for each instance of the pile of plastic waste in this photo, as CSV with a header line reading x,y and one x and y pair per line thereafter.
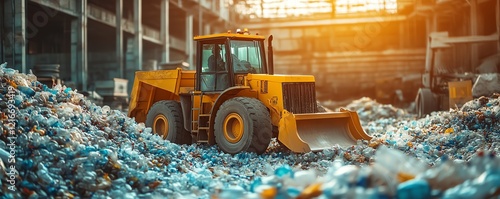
x,y
57,144
369,110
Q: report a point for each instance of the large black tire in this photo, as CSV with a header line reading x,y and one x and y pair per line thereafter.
x,y
426,102
165,118
243,124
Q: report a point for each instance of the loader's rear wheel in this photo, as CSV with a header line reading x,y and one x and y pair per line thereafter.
x,y
425,102
243,124
165,118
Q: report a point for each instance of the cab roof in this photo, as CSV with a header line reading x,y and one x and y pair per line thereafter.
x,y
229,35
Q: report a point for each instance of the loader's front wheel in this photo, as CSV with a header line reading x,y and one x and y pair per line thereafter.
x,y
165,119
243,124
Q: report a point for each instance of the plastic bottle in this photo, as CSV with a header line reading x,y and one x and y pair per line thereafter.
x,y
283,171
414,189
43,174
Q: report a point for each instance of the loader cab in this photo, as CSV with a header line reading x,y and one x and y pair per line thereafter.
x,y
223,60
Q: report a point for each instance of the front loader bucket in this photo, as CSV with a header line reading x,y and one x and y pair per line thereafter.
x,y
318,131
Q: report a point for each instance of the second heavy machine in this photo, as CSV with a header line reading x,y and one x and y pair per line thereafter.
x,y
234,99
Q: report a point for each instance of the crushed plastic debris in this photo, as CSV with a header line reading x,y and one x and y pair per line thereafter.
x,y
369,110
57,144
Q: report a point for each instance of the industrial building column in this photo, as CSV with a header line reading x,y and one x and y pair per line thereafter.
x,y
79,46
431,26
200,20
20,36
119,37
431,23
498,24
138,34
189,39
403,34
474,31
134,47
207,29
165,31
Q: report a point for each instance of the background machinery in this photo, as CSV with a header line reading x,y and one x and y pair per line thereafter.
x,y
449,80
234,99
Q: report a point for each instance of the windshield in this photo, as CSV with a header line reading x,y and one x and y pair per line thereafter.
x,y
246,56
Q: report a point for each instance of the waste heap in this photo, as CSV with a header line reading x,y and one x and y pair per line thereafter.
x,y
57,144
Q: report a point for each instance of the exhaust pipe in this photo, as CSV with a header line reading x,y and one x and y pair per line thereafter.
x,y
270,55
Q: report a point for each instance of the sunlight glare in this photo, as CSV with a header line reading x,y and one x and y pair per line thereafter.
x,y
294,8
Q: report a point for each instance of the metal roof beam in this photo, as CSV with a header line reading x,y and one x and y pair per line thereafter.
x,y
324,22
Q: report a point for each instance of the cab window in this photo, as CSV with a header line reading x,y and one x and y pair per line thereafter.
x,y
214,71
246,57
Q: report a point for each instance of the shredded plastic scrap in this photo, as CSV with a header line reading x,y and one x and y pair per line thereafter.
x,y
57,144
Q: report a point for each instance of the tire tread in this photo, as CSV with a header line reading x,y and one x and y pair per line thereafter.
x,y
261,121
180,136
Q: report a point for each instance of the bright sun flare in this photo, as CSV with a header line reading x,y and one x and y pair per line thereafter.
x,y
286,8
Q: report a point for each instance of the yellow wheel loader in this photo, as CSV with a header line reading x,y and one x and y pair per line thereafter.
x,y
233,99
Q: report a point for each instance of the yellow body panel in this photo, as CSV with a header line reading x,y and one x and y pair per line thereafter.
x,y
305,132
152,86
282,78
273,96
460,92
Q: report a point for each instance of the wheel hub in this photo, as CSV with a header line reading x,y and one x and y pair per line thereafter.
x,y
160,126
233,128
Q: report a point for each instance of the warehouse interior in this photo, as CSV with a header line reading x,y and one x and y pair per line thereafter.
x,y
250,99
353,48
